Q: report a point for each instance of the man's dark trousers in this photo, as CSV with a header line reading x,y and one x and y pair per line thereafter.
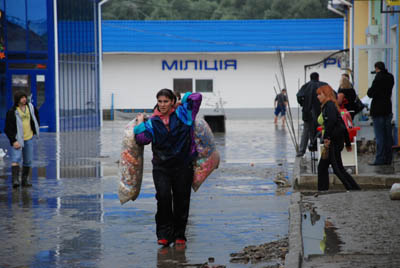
x,y
384,139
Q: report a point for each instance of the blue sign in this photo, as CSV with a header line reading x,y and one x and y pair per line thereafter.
x,y
212,65
331,61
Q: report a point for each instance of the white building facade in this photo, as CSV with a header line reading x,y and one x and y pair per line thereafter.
x,y
132,80
237,79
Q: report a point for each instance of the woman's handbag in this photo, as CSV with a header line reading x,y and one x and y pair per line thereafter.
x,y
358,105
325,152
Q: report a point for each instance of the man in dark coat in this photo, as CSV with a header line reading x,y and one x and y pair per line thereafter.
x,y
311,108
381,113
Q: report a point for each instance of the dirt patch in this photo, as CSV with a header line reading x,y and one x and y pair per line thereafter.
x,y
272,253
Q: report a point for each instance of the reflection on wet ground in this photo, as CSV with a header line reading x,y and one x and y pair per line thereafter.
x,y
319,234
72,217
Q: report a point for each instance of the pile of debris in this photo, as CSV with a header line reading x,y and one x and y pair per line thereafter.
x,y
273,252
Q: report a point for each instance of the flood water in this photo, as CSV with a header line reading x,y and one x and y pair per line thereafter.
x,y
72,217
318,233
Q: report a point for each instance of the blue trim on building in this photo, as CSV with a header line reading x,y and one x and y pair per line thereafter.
x,y
222,36
50,111
30,57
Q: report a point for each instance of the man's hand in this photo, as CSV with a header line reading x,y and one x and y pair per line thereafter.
x,y
177,104
16,145
327,142
349,148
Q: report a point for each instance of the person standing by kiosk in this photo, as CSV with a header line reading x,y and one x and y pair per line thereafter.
x,y
381,113
311,108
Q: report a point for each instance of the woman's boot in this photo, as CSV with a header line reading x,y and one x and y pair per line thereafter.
x,y
25,177
15,176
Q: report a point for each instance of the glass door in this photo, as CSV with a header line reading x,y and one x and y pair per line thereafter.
x,y
21,82
33,83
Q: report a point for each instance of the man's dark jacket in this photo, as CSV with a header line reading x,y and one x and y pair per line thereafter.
x,y
307,98
381,94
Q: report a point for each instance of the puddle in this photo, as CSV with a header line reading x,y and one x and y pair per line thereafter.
x,y
72,215
319,234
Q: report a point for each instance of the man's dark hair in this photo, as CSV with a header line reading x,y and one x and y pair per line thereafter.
x,y
18,96
380,65
314,76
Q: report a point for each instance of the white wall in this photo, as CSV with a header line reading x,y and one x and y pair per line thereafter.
x,y
135,79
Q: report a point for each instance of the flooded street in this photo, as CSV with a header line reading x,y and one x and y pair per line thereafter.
x,y
72,216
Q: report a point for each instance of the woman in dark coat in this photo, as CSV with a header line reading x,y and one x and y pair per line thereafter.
x,y
170,130
22,124
334,135
347,96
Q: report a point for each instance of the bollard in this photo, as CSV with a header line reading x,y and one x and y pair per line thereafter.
x,y
395,191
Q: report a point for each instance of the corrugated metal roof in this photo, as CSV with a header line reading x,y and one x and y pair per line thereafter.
x,y
222,36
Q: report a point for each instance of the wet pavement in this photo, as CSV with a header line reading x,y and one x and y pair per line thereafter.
x,y
368,177
350,229
72,217
339,228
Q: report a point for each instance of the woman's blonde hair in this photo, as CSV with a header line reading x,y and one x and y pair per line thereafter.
x,y
345,83
330,96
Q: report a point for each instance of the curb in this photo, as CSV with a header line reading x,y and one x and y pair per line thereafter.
x,y
310,181
296,173
294,257
307,181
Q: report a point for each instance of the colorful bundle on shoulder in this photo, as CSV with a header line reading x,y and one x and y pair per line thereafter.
x,y
130,165
208,157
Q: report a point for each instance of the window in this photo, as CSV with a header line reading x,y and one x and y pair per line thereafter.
x,y
40,89
204,85
27,31
183,85
37,25
21,82
16,25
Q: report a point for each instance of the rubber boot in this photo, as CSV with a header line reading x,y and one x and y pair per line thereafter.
x,y
15,176
25,177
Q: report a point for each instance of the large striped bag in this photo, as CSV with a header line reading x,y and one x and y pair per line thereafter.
x,y
130,165
207,155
